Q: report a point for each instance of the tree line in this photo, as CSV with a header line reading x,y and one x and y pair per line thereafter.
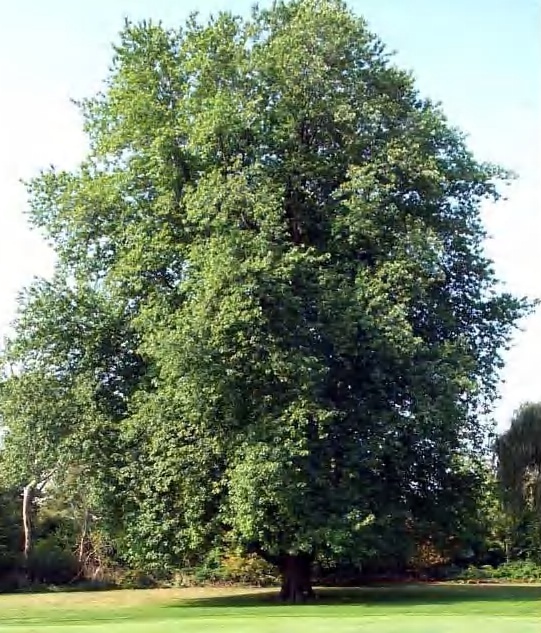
x,y
272,326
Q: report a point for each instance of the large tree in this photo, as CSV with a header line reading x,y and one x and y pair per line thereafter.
x,y
290,237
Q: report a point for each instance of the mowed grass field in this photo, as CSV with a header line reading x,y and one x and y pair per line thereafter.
x,y
402,609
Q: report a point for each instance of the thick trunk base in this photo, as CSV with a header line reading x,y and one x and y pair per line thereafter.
x,y
296,572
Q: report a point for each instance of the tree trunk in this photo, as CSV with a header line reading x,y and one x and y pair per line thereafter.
x,y
29,493
28,497
296,572
84,532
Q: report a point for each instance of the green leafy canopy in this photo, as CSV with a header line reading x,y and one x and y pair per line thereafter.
x,y
272,303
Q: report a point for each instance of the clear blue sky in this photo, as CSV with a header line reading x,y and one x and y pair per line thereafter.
x,y
481,58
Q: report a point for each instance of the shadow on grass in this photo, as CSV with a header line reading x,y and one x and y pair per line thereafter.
x,y
409,594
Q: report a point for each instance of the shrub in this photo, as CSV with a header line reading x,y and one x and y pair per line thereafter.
x,y
515,571
248,570
228,567
520,570
426,556
135,579
49,563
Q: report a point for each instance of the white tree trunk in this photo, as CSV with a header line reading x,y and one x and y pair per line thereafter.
x,y
29,493
84,532
28,497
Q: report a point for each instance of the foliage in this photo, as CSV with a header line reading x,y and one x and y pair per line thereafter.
x,y
228,567
10,531
428,556
272,321
519,468
134,579
50,563
248,570
519,458
515,571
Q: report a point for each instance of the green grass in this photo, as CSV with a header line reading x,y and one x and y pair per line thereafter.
x,y
404,609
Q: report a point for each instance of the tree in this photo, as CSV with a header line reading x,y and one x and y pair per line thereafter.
x,y
30,448
519,467
519,456
291,239
67,376
10,534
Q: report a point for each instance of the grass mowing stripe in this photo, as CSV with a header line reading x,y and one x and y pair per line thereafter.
x,y
406,624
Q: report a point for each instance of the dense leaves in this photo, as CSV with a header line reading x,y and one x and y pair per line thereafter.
x,y
273,322
519,465
519,453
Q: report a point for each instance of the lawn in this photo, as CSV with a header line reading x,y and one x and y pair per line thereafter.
x,y
404,609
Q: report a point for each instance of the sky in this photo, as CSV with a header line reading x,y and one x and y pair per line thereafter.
x,y
480,58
